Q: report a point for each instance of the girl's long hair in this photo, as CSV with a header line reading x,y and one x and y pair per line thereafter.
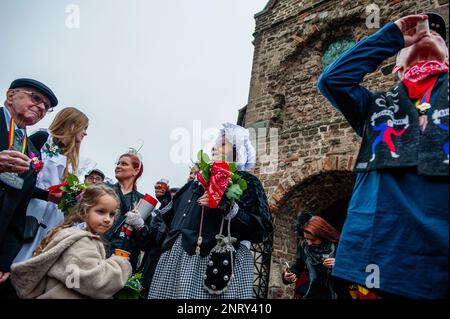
x,y
65,126
137,164
320,228
79,212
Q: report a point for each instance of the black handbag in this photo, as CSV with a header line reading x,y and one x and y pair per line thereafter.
x,y
219,270
31,228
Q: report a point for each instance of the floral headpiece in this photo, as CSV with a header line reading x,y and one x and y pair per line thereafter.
x,y
239,137
135,152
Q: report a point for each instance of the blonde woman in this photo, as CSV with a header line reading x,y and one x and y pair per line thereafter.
x,y
60,148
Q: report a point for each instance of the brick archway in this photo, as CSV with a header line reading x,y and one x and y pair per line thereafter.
x,y
328,163
324,187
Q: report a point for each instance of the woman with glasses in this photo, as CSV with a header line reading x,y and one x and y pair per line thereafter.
x,y
60,149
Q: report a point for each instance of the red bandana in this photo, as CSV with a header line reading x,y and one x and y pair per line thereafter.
x,y
421,76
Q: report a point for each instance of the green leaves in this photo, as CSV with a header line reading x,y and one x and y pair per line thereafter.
x,y
203,158
236,187
242,184
204,164
72,179
233,192
132,288
233,167
72,190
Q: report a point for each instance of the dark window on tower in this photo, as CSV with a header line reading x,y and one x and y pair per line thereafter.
x,y
336,48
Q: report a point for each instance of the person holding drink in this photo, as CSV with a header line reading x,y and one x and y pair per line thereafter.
x,y
163,185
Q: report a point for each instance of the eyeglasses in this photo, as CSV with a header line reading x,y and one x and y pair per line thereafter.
x,y
94,178
38,99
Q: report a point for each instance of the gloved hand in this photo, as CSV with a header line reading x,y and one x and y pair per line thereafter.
x,y
134,219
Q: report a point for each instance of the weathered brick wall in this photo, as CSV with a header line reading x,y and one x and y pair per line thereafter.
x,y
314,140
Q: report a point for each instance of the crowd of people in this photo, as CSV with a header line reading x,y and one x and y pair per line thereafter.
x,y
397,217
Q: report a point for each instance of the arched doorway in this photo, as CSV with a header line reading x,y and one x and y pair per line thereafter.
x,y
325,194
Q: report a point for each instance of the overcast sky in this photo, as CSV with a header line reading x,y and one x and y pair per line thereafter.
x,y
163,72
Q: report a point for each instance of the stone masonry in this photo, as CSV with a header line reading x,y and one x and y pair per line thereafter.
x,y
316,147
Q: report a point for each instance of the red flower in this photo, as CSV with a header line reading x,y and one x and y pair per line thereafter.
x,y
57,188
218,182
37,164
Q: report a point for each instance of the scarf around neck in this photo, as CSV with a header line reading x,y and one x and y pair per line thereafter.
x,y
314,253
318,278
422,76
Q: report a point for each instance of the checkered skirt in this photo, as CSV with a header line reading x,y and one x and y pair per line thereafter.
x,y
180,276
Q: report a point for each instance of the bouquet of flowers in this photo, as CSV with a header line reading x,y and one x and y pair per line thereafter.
x,y
71,189
132,289
219,178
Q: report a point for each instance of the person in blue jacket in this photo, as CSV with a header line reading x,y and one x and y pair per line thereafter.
x,y
395,240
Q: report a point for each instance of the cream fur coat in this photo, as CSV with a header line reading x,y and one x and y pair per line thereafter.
x,y
72,266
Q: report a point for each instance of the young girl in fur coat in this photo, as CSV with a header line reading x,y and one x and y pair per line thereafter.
x,y
71,262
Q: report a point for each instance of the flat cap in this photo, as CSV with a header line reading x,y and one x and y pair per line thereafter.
x,y
41,87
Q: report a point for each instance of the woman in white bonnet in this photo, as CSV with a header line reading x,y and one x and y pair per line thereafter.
x,y
180,272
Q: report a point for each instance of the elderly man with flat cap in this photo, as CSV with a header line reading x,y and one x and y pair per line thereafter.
x,y
395,240
27,102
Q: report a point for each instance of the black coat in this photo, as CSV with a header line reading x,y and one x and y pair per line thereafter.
x,y
39,138
13,205
253,221
318,289
131,244
151,238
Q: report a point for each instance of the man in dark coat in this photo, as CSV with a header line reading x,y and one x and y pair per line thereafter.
x,y
27,102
